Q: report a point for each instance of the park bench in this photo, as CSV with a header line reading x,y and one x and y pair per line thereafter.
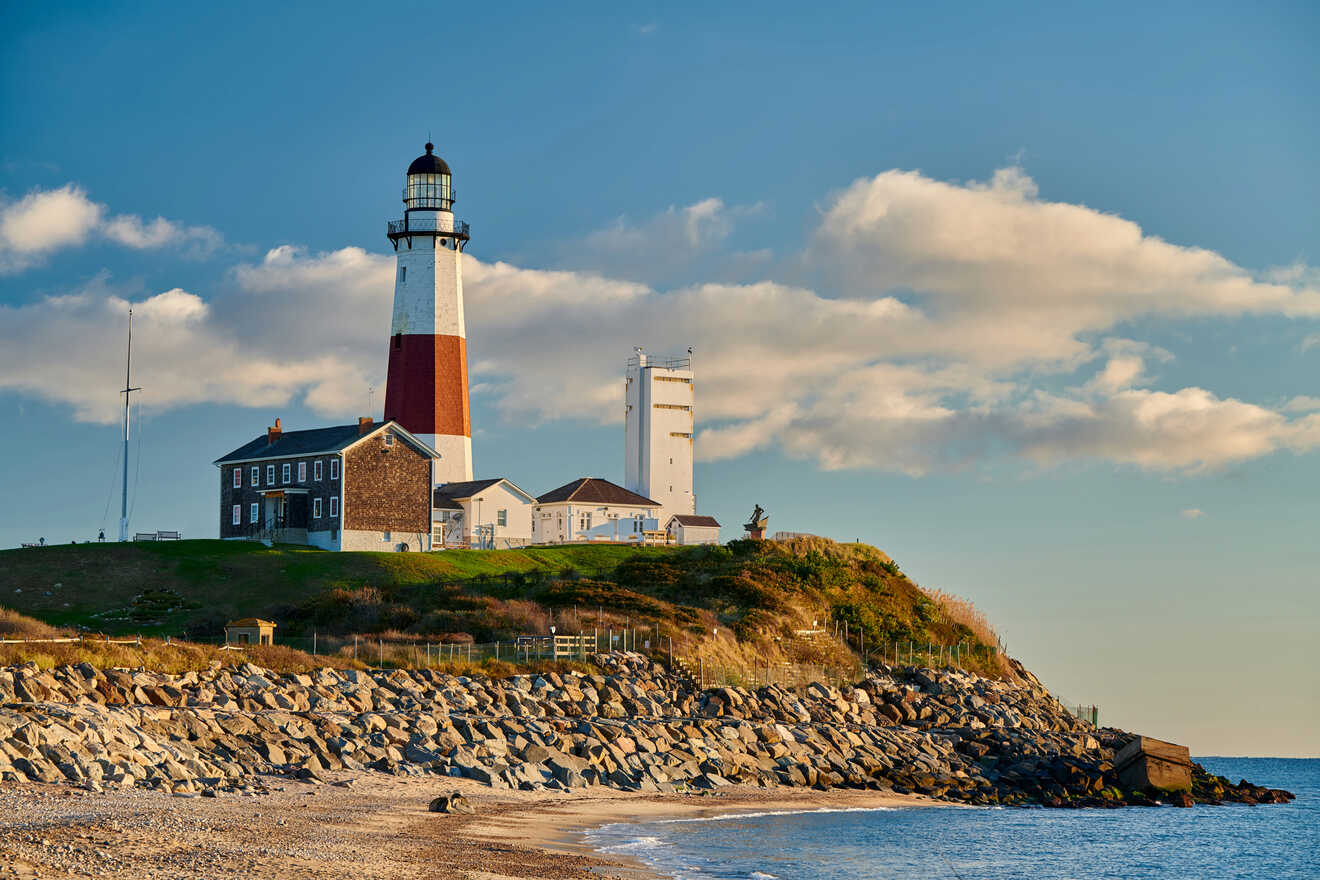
x,y
30,544
145,536
168,536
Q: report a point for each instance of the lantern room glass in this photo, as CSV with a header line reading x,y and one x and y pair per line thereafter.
x,y
428,192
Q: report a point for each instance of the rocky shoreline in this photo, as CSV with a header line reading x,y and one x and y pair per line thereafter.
x,y
632,726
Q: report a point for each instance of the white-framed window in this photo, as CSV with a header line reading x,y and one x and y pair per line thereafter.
x,y
238,478
501,517
238,514
255,476
254,512
384,536
302,471
270,475
286,472
316,508
334,504
334,470
389,439
316,470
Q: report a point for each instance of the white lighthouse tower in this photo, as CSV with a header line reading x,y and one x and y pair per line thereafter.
x,y
426,389
658,426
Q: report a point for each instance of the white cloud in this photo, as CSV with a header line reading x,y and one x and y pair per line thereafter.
x,y
44,221
130,231
676,243
1191,513
958,303
1302,403
293,329
1012,279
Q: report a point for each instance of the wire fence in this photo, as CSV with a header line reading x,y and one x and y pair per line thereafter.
x,y
1088,713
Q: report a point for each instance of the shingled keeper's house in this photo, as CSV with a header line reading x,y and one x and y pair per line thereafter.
x,y
349,487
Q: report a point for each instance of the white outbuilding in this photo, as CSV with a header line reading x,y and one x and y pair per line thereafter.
x,y
689,528
492,514
594,509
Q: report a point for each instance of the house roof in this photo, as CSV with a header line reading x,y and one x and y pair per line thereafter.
x,y
469,488
442,503
313,441
594,490
691,519
465,489
251,621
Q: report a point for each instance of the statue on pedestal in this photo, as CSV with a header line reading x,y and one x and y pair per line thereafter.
x,y
755,525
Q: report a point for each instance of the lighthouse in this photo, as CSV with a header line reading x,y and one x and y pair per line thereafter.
x,y
426,388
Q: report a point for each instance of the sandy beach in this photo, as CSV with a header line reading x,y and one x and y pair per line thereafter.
x,y
373,827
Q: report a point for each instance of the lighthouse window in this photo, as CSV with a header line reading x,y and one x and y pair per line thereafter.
x,y
403,274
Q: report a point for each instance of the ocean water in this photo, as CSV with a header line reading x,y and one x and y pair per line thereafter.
x,y
987,843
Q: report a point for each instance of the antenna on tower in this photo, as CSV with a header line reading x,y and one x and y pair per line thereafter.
x,y
128,390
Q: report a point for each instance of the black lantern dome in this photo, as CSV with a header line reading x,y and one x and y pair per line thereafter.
x,y
428,164
428,186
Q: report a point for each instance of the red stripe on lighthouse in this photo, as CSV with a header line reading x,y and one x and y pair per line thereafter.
x,y
426,389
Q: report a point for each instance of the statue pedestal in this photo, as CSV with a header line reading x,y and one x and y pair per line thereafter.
x,y
756,534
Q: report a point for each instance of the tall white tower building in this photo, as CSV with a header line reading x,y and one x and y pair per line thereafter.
x,y
427,386
658,427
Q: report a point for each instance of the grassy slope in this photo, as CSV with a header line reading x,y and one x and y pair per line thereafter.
x,y
86,584
746,603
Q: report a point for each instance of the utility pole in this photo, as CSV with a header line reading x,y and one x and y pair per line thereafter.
x,y
128,390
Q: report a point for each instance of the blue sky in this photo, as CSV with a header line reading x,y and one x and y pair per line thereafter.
x,y
1024,295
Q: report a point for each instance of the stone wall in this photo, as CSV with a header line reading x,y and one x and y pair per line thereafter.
x,y
632,726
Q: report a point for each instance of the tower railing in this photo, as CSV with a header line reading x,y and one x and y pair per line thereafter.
x,y
671,363
424,225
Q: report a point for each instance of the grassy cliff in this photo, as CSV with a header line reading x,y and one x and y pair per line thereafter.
x,y
745,603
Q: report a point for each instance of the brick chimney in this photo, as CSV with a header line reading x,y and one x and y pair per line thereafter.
x,y
365,425
273,433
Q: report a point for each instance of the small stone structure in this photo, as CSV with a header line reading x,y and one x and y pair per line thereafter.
x,y
1152,763
250,631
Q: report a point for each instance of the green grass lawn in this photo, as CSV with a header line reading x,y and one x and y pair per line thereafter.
x,y
94,585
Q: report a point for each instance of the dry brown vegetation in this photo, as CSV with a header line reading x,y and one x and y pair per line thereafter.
x,y
962,611
16,626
